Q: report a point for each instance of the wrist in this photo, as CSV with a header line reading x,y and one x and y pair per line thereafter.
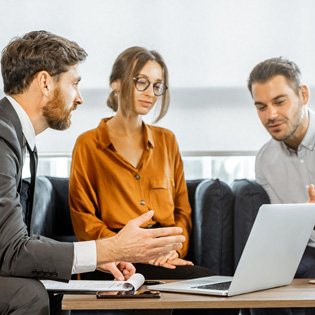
x,y
105,251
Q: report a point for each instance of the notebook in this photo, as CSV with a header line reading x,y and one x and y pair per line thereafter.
x,y
270,258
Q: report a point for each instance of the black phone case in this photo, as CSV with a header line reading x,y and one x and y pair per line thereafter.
x,y
127,295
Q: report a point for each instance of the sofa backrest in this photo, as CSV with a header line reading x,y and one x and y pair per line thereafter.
x,y
213,239
249,196
51,212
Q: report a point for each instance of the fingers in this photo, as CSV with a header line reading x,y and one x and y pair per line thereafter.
x,y
311,194
116,273
112,268
127,269
171,264
174,255
165,231
127,276
168,266
169,240
180,262
162,251
162,260
143,218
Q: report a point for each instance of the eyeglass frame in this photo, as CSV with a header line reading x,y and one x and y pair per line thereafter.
x,y
136,79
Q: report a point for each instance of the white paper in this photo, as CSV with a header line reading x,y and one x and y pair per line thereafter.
x,y
133,283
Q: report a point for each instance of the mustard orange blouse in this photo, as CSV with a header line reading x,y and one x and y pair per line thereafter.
x,y
106,191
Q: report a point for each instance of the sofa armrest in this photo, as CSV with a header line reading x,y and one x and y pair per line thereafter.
x,y
192,185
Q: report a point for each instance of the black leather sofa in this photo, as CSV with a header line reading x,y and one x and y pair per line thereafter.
x,y
222,216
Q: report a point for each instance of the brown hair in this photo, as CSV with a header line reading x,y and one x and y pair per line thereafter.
x,y
269,68
126,67
36,51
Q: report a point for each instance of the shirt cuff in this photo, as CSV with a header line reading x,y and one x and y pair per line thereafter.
x,y
84,259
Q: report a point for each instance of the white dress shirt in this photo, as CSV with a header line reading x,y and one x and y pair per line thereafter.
x,y
84,252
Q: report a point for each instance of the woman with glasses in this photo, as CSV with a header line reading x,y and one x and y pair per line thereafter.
x,y
125,167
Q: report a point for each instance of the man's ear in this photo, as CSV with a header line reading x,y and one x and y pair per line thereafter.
x,y
305,94
44,82
116,85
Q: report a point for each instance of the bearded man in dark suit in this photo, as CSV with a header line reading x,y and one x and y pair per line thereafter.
x,y
41,75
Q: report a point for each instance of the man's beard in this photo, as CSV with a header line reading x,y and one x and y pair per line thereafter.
x,y
294,125
56,114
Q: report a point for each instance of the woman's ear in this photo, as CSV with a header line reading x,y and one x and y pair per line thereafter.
x,y
115,85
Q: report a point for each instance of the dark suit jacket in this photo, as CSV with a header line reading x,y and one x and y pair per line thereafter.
x,y
20,256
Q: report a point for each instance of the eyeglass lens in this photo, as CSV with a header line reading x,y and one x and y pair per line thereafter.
x,y
142,84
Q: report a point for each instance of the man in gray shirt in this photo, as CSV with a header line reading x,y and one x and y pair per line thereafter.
x,y
285,165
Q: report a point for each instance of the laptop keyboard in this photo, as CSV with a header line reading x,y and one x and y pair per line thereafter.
x,y
221,286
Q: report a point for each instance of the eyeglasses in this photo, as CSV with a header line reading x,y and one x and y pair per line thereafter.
x,y
142,84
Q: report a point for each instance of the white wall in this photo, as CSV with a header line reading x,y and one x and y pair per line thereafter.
x,y
214,119
220,119
210,47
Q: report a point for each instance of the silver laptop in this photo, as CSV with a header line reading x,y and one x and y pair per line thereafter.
x,y
270,258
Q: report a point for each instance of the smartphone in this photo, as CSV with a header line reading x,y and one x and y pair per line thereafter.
x,y
152,282
128,294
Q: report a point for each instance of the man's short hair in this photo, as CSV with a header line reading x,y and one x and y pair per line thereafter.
x,y
269,68
37,51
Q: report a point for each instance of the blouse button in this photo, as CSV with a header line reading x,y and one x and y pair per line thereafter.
x,y
142,202
137,176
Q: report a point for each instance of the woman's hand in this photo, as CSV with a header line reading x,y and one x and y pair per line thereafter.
x,y
120,270
170,261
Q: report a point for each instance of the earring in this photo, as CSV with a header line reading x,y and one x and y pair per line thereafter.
x,y
116,93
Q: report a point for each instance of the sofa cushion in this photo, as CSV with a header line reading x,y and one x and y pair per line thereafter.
x,y
249,196
213,226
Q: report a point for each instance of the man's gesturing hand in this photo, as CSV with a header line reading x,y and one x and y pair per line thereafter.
x,y
311,194
134,244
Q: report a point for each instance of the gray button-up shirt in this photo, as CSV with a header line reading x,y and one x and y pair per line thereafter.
x,y
286,174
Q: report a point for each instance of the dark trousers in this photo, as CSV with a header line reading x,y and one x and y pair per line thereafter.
x,y
157,272
306,269
27,297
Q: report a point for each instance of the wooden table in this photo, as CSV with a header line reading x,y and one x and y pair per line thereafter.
x,y
299,294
